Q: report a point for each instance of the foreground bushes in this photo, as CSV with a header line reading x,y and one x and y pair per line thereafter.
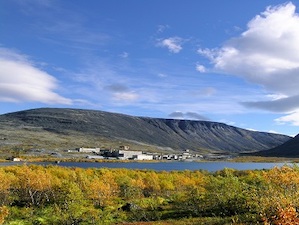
x,y
56,195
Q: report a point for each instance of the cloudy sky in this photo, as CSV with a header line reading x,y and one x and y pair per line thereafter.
x,y
232,61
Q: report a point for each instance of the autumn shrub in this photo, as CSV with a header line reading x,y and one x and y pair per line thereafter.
x,y
57,195
3,213
279,199
7,181
287,215
228,195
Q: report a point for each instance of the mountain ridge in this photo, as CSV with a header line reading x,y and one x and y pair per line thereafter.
x,y
287,149
166,133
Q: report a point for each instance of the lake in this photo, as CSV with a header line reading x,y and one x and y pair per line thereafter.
x,y
163,166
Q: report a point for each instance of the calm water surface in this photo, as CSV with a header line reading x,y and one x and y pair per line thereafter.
x,y
164,166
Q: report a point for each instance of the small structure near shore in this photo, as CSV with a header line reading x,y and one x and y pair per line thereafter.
x,y
85,150
89,150
15,159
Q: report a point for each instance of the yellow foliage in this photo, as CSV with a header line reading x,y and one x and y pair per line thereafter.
x,y
272,195
3,213
281,195
285,176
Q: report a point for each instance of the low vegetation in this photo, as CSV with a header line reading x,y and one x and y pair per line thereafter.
x,y
31,194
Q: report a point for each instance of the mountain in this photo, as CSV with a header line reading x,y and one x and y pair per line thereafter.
x,y
287,149
67,128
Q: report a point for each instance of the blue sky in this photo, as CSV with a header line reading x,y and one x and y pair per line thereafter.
x,y
229,61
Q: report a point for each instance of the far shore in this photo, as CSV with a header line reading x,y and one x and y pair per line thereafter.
x,y
235,159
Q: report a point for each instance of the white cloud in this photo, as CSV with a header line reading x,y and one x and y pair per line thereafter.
x,y
173,44
267,54
273,132
276,96
292,118
21,81
251,129
200,68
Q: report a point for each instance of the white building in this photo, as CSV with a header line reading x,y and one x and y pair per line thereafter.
x,y
144,157
89,150
94,157
17,159
128,154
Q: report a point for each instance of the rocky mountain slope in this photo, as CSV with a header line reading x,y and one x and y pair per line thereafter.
x,y
287,149
118,128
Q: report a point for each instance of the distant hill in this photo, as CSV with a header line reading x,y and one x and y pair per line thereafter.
x,y
287,149
64,127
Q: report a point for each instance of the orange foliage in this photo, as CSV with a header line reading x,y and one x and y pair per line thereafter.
x,y
283,216
287,216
